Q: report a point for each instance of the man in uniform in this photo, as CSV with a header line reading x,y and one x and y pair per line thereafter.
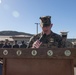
x,y
1,44
23,45
6,44
16,44
47,38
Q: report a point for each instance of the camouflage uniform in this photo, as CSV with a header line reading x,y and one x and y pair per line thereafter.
x,y
67,44
52,40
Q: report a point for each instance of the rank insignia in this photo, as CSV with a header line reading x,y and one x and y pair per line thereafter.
x,y
51,40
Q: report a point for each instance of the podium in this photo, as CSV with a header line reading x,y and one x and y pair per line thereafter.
x,y
44,61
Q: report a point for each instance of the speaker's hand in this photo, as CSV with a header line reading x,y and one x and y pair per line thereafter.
x,y
36,44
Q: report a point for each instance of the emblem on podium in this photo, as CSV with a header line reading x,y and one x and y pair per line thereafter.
x,y
34,52
19,52
5,52
49,52
67,52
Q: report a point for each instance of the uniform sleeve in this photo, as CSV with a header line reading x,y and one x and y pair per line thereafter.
x,y
31,41
61,44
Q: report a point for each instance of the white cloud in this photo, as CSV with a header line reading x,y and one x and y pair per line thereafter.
x,y
16,14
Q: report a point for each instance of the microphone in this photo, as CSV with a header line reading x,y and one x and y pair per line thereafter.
x,y
42,37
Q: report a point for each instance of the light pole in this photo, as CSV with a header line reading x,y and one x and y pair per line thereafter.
x,y
37,27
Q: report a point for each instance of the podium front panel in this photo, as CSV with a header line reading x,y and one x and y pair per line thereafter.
x,y
38,67
57,61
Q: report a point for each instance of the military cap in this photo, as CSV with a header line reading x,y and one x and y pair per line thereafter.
x,y
45,21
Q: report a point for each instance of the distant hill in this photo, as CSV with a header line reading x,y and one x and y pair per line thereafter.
x,y
13,33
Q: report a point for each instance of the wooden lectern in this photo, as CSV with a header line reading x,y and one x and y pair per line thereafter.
x,y
44,61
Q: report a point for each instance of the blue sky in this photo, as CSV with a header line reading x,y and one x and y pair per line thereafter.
x,y
21,15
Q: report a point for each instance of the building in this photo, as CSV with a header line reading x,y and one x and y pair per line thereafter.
x,y
15,36
19,36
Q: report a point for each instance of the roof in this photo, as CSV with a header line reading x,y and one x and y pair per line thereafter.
x,y
3,39
22,36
